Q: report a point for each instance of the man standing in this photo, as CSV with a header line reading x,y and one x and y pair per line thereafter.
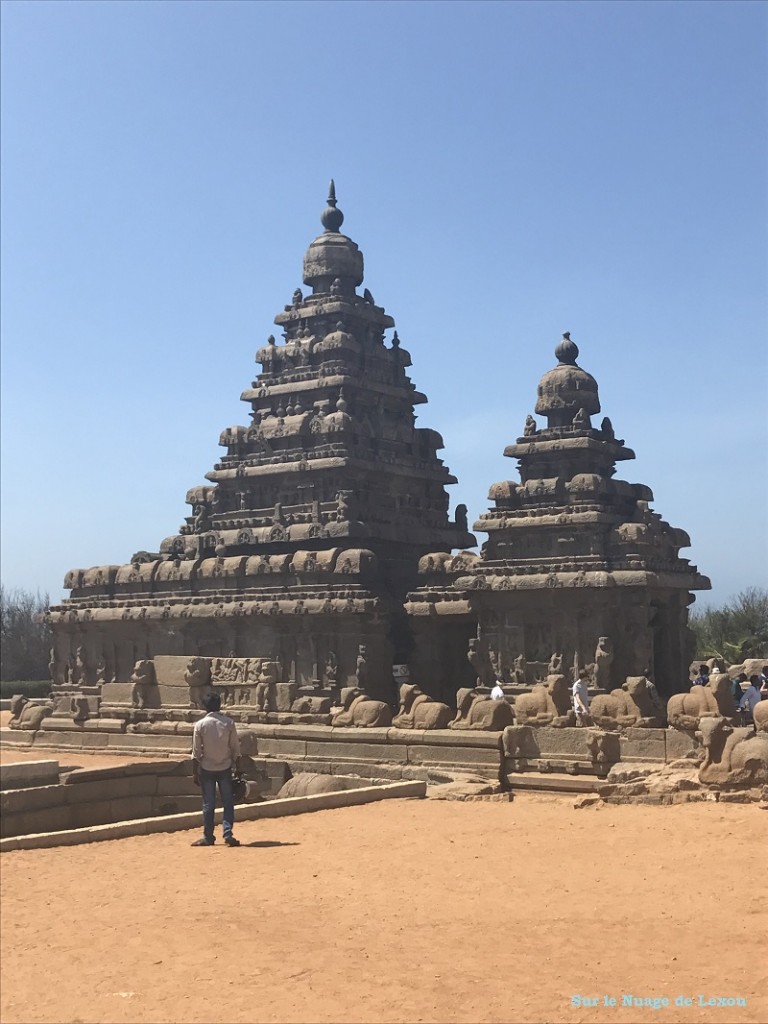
x,y
215,752
580,695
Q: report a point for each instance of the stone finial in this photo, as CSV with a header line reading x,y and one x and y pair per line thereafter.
x,y
567,351
331,217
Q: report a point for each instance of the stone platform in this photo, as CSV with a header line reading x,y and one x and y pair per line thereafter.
x,y
387,752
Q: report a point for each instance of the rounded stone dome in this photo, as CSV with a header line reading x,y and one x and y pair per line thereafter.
x,y
567,388
332,257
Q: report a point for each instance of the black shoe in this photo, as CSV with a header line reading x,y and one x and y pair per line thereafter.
x,y
204,842
231,841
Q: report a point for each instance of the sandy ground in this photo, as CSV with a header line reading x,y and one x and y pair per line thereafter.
x,y
414,910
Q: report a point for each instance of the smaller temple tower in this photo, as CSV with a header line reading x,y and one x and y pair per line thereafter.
x,y
577,569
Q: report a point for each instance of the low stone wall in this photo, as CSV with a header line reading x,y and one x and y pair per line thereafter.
x,y
388,752
246,812
100,796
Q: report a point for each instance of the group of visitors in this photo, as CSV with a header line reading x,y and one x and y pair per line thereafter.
x,y
747,691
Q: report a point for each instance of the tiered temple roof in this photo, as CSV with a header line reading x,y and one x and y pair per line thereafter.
x,y
323,502
561,544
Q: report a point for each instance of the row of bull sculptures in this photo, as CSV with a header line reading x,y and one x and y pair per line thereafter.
x,y
633,705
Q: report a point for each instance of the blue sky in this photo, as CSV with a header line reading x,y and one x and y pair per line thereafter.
x,y
510,171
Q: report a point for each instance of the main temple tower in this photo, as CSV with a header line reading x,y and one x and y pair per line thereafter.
x,y
304,543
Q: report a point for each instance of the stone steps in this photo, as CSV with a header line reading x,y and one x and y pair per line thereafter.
x,y
553,782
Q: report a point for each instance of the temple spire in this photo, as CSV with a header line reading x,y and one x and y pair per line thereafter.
x,y
331,217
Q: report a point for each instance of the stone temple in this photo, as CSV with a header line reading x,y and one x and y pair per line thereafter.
x,y
320,553
577,570
304,543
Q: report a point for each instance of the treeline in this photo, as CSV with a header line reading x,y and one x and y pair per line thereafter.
x,y
736,631
25,639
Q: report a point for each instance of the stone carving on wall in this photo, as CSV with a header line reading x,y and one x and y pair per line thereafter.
x,y
57,668
685,710
630,706
479,658
197,676
473,711
603,661
359,710
519,669
265,686
361,667
331,669
548,703
732,757
79,667
142,679
419,711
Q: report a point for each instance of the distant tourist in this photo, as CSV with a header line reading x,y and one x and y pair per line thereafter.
x,y
751,696
497,693
740,684
764,683
703,677
215,752
581,696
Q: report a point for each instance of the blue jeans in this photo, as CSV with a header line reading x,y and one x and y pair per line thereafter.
x,y
208,783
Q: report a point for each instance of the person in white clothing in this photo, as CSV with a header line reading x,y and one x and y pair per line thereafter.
x,y
497,693
215,752
581,697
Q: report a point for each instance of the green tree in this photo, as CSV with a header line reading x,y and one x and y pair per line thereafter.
x,y
736,631
24,636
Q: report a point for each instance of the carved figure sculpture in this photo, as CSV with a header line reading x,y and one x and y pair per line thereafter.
x,y
359,710
420,711
361,668
581,419
555,666
79,672
685,710
518,741
197,676
548,703
603,747
530,426
603,660
142,679
56,668
519,670
265,687
28,715
307,705
629,706
473,711
331,669
478,658
732,757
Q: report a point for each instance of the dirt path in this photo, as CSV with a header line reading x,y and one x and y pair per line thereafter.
x,y
401,911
